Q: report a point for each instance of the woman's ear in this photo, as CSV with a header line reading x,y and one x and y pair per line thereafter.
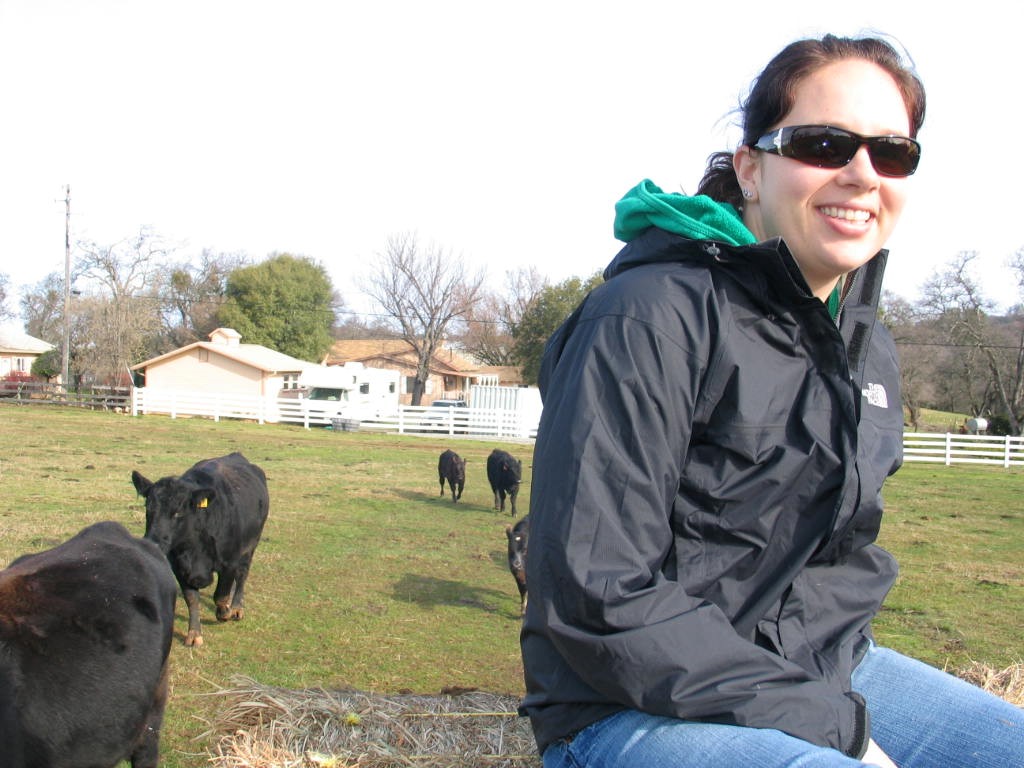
x,y
747,166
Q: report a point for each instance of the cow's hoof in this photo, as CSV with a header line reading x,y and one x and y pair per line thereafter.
x,y
223,611
194,638
237,614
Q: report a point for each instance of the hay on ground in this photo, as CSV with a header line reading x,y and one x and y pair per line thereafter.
x,y
1006,683
263,727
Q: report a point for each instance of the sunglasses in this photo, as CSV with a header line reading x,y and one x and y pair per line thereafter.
x,y
825,146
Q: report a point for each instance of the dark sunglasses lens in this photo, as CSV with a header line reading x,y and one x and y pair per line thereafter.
x,y
894,156
821,146
833,148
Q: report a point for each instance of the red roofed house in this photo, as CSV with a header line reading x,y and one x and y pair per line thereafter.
x,y
450,374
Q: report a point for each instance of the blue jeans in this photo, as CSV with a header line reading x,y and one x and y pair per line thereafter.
x,y
921,717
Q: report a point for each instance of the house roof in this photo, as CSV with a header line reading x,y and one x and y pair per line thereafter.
x,y
398,351
254,355
13,340
507,374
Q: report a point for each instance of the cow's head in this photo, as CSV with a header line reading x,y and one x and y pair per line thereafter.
x,y
459,467
514,468
174,508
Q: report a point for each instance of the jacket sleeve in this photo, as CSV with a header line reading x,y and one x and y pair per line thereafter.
x,y
618,408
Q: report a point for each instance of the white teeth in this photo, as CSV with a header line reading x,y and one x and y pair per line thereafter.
x,y
846,213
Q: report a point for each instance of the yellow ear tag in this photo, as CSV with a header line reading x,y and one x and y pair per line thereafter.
x,y
204,503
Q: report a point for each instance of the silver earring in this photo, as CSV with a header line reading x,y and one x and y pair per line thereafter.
x,y
748,194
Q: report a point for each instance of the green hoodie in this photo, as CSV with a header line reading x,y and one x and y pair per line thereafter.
x,y
698,217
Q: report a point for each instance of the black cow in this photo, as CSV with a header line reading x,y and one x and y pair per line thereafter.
x,y
518,539
452,467
208,520
85,634
504,473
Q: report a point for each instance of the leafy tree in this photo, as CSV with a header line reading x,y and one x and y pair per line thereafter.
x,y
551,308
42,308
422,290
48,365
285,303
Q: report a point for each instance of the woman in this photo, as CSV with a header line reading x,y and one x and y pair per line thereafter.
x,y
719,418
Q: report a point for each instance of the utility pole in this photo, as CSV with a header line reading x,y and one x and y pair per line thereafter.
x,y
65,358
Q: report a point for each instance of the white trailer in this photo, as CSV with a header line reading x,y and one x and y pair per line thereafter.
x,y
351,391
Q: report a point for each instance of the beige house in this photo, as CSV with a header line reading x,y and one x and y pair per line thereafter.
x,y
19,350
450,374
224,366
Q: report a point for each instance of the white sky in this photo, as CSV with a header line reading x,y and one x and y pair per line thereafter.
x,y
504,132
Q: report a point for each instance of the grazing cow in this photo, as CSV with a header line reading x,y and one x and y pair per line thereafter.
x,y
452,467
518,538
504,473
208,520
85,634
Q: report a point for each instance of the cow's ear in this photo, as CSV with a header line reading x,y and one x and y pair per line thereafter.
x,y
142,485
201,497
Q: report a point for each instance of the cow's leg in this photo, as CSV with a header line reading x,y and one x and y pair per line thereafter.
x,y
226,579
238,599
195,631
146,753
512,495
497,502
442,485
461,486
501,492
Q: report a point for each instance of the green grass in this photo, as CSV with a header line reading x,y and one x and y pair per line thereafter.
x,y
367,578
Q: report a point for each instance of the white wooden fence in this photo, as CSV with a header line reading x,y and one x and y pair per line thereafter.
x,y
949,449
492,422
407,419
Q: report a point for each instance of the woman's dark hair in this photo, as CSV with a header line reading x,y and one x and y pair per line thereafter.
x,y
774,91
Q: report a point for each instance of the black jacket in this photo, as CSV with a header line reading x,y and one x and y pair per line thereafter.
x,y
705,496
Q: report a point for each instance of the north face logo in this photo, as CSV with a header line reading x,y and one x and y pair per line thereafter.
x,y
875,395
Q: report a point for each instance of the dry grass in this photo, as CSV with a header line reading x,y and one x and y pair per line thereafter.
x,y
265,727
1007,683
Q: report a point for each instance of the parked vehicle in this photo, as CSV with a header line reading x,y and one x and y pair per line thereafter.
x,y
350,391
442,414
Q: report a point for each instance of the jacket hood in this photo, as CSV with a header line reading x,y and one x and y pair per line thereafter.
x,y
698,217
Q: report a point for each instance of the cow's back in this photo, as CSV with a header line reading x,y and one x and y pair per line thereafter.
x,y
239,510
85,633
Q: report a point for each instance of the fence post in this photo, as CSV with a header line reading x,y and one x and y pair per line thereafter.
x,y
949,449
1006,451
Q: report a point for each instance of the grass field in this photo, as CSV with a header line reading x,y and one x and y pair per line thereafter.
x,y
367,578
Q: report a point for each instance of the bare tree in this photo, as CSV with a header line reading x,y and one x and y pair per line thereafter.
x,y
956,299
121,282
489,328
5,312
913,340
423,290
193,294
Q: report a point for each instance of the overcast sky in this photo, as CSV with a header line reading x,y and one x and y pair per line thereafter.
x,y
503,132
